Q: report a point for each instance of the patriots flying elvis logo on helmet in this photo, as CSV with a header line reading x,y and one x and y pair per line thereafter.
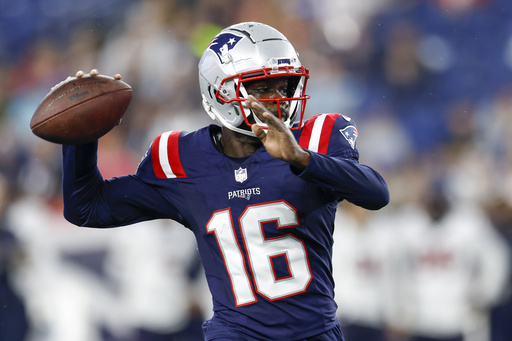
x,y
222,44
350,133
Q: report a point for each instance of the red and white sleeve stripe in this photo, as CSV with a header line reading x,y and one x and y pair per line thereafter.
x,y
317,132
166,157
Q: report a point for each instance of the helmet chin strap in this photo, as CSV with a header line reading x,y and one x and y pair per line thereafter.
x,y
217,116
241,131
208,107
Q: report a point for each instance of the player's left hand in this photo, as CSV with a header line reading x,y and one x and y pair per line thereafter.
x,y
277,139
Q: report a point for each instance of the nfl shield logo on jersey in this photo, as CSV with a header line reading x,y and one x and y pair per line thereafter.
x,y
241,174
350,133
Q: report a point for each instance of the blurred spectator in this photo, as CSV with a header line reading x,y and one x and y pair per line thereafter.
x,y
362,273
154,267
452,269
114,158
151,55
14,322
63,301
499,209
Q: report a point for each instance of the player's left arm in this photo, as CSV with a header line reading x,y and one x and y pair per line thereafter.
x,y
355,182
337,169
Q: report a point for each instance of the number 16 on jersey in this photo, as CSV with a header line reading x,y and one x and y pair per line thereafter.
x,y
261,251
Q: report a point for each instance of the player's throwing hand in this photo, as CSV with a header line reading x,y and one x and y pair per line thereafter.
x,y
278,139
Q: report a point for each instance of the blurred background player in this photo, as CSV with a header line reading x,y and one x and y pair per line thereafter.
x,y
451,268
362,268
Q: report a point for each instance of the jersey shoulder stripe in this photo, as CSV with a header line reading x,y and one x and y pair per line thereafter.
x,y
316,133
165,156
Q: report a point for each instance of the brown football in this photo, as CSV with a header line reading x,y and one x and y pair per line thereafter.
x,y
81,109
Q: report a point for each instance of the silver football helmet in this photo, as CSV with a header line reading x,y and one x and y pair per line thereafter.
x,y
243,53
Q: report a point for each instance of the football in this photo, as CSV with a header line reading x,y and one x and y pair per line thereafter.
x,y
81,109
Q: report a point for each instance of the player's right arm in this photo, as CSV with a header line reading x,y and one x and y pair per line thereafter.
x,y
90,200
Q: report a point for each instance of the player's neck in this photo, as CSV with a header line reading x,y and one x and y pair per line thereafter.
x,y
238,145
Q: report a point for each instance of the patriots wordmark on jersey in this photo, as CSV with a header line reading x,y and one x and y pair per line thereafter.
x,y
263,228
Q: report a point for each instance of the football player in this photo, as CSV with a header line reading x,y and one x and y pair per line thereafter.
x,y
259,191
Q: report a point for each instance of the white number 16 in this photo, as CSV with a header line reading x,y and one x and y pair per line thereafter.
x,y
261,251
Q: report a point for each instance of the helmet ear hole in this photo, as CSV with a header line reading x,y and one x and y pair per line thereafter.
x,y
210,92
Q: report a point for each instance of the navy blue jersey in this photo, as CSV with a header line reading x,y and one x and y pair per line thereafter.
x,y
263,229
